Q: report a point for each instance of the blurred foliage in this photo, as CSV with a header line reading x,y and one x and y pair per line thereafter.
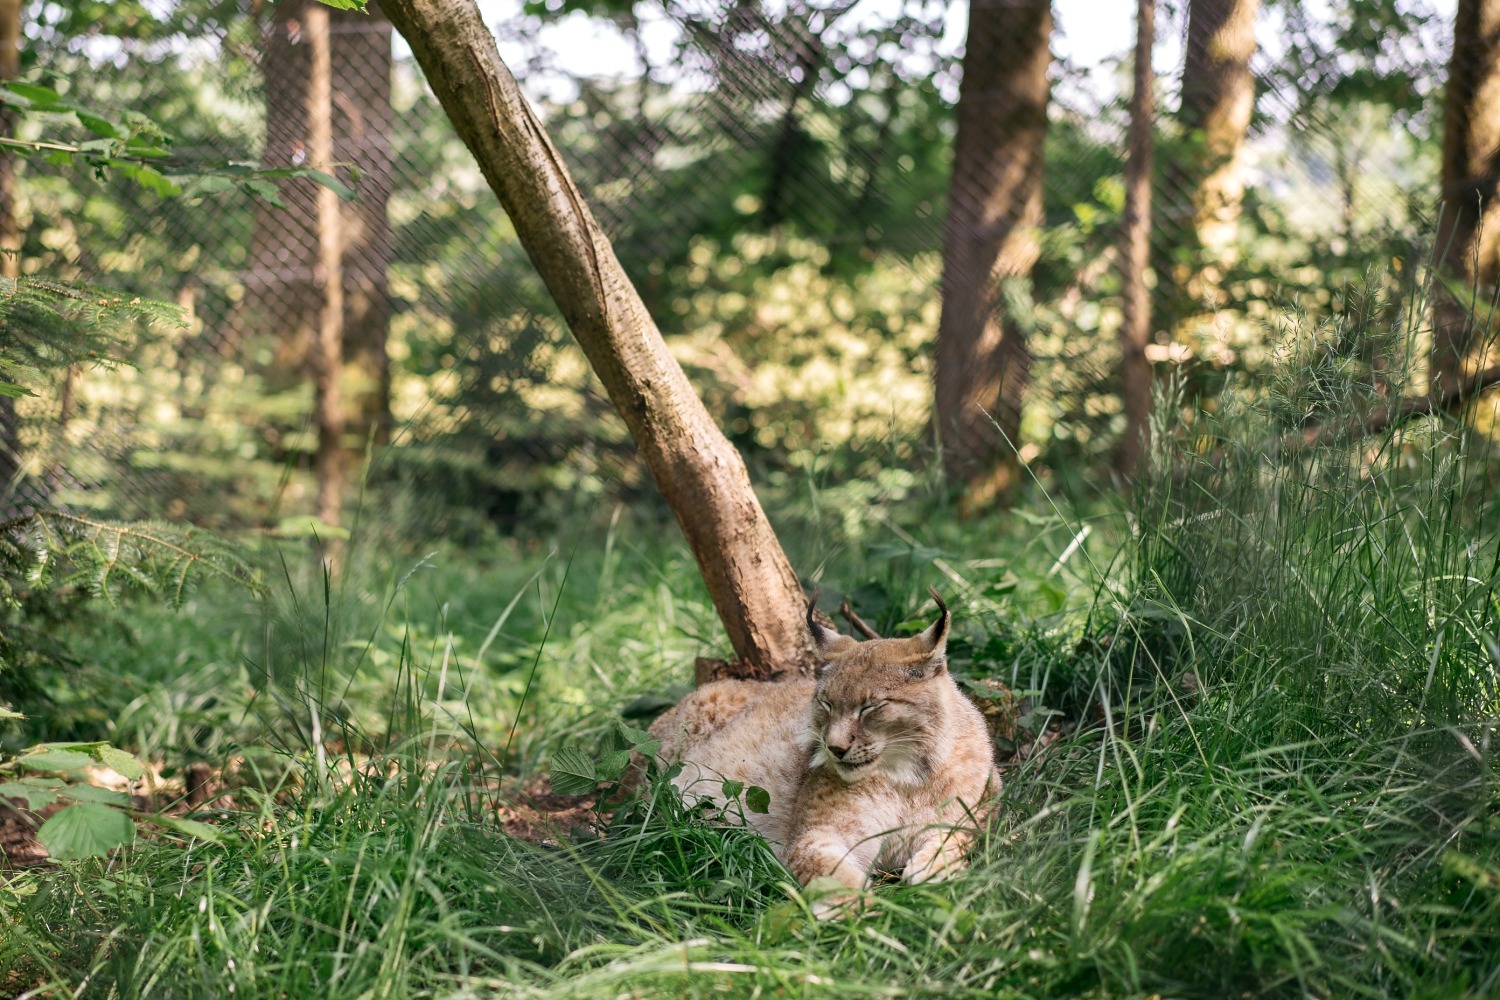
x,y
775,184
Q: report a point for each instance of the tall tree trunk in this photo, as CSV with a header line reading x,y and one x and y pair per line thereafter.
x,y
698,471
1218,98
1468,238
990,243
283,295
362,125
317,266
1135,252
328,352
790,137
10,234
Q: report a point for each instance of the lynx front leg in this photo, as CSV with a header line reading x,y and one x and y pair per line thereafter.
x,y
938,854
828,858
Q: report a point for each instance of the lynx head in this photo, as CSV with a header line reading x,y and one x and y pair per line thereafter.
x,y
879,705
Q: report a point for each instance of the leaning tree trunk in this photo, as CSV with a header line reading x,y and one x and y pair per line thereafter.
x,y
698,471
1468,238
1218,98
1135,253
990,244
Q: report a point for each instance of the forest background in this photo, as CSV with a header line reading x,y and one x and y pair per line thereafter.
x,y
1165,357
777,186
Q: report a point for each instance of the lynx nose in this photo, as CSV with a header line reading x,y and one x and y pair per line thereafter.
x,y
837,751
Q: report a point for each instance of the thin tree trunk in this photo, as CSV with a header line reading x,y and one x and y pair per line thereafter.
x,y
283,294
10,234
1468,237
698,471
363,123
1218,98
990,244
328,352
1135,253
789,138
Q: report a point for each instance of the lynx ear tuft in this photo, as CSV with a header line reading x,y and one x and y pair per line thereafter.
x,y
826,639
933,640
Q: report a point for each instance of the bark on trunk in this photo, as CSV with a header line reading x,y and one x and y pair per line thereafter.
x,y
990,243
328,351
1468,238
283,296
1135,253
1218,97
698,471
10,235
362,125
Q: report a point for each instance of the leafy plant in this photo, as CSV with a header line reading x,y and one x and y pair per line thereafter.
x,y
95,820
575,772
134,146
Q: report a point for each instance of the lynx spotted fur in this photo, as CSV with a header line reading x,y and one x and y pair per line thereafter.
x,y
879,763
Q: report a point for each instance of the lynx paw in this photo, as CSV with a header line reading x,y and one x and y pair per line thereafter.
x,y
831,899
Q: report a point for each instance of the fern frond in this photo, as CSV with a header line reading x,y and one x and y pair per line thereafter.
x,y
47,324
60,549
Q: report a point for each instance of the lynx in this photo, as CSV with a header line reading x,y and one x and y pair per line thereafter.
x,y
878,763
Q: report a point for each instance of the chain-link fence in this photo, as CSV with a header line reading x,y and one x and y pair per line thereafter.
x,y
775,181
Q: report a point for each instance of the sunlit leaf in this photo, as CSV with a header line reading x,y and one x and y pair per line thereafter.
x,y
55,760
122,763
99,125
34,95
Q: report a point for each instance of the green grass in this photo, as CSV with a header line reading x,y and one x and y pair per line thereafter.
x,y
1283,782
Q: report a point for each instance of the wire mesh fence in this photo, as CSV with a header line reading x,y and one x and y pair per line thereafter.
x,y
775,179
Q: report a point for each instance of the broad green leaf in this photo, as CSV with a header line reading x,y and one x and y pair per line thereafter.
x,y
612,765
35,796
93,793
732,789
124,764
757,800
34,95
14,392
55,760
266,192
573,772
149,178
345,4
146,149
635,737
85,830
648,748
98,125
332,183
187,827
